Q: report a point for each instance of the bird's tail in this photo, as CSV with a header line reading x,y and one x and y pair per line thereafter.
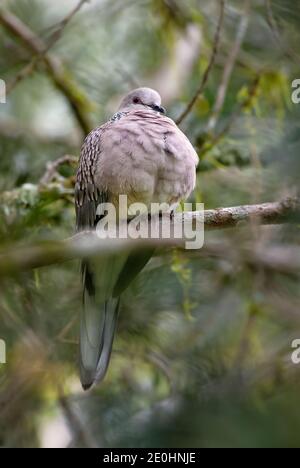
x,y
98,324
101,307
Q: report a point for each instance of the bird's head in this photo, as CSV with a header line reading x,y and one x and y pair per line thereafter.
x,y
143,97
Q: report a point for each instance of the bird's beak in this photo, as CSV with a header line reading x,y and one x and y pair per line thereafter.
x,y
159,109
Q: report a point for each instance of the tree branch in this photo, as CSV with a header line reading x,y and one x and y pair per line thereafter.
x,y
209,67
64,23
229,66
266,213
53,166
88,244
63,82
31,66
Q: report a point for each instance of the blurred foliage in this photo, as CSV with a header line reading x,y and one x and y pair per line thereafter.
x,y
202,355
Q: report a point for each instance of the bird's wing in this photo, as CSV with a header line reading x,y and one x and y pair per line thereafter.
x,y
87,194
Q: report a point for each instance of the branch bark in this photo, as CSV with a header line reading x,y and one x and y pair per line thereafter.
x,y
266,213
88,244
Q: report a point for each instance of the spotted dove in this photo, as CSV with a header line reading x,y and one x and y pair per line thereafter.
x,y
140,153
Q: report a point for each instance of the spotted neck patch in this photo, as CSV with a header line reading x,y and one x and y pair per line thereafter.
x,y
118,116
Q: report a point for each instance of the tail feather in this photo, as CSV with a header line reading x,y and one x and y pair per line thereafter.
x,y
96,339
111,318
98,324
103,283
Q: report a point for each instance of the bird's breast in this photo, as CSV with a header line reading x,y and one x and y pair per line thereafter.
x,y
145,160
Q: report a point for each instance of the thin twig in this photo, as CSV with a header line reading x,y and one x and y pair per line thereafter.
x,y
53,166
205,77
229,66
208,145
64,23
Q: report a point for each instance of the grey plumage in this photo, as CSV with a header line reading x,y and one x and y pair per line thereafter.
x,y
140,153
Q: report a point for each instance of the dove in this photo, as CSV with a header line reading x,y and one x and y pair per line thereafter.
x,y
140,153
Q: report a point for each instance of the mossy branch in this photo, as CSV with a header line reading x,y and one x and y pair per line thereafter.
x,y
86,244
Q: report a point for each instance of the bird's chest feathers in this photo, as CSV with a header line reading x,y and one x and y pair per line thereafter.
x,y
136,161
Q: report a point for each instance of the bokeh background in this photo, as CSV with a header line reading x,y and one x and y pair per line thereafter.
x,y
202,356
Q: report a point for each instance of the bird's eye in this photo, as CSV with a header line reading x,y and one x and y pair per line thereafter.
x,y
136,100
